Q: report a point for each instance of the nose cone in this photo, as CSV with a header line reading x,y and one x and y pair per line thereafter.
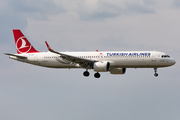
x,y
172,61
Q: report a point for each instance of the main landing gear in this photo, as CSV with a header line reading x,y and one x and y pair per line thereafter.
x,y
96,75
155,74
86,73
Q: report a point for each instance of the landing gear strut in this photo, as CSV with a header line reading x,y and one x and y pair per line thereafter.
x,y
97,75
86,73
155,74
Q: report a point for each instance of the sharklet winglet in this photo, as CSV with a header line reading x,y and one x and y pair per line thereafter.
x,y
49,48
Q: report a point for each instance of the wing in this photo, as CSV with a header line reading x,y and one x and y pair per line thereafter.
x,y
84,63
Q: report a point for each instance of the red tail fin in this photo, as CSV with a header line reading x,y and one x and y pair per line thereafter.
x,y
22,44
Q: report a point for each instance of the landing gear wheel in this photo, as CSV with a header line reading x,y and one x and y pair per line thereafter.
x,y
155,74
97,75
86,73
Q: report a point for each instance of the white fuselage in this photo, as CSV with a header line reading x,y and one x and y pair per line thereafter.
x,y
121,59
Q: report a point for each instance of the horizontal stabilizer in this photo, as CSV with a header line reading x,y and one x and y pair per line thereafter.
x,y
18,56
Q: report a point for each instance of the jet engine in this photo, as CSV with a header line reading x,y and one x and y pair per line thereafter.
x,y
101,66
117,70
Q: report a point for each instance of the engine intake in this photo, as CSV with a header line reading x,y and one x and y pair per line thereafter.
x,y
101,66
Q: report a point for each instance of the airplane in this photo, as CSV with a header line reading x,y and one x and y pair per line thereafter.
x,y
114,62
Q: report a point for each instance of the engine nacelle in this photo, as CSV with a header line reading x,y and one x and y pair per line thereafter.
x,y
101,66
117,70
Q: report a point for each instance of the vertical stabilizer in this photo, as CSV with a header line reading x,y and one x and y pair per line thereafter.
x,y
22,44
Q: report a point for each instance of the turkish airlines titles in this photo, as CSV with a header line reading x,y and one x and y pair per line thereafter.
x,y
129,54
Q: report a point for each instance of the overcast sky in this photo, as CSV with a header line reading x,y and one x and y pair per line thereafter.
x,y
30,92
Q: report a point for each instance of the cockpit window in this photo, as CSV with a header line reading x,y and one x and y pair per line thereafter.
x,y
165,56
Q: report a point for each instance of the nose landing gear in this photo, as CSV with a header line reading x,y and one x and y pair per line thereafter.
x,y
155,74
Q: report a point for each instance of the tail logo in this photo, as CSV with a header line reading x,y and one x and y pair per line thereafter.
x,y
22,45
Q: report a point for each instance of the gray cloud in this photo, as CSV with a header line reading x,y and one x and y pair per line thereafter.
x,y
106,10
36,9
137,8
149,2
176,3
14,14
